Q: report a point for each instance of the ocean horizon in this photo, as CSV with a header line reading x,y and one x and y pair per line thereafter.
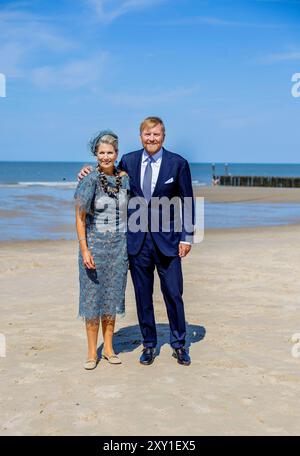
x,y
36,198
65,172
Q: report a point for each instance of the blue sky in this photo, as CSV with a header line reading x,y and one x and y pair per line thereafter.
x,y
217,71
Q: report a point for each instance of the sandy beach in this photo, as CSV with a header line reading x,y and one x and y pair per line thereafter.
x,y
242,307
220,194
123,107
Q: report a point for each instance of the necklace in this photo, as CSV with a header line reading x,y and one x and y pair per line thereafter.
x,y
111,191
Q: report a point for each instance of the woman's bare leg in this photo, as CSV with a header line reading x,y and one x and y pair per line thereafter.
x,y
108,326
92,329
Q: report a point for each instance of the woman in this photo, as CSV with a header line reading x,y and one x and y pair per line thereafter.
x,y
101,209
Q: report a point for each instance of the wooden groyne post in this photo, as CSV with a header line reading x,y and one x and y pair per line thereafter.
x,y
260,181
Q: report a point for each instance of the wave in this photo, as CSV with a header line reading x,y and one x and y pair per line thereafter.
x,y
39,184
199,183
60,184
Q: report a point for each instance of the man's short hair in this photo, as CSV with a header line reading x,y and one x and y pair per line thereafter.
x,y
151,122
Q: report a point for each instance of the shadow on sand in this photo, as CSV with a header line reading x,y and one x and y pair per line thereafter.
x,y
129,338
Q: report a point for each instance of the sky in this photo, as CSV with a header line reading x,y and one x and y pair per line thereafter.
x,y
218,72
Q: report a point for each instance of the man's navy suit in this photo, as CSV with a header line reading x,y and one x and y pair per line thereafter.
x,y
159,249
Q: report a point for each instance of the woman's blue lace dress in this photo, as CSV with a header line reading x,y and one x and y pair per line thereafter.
x,y
102,290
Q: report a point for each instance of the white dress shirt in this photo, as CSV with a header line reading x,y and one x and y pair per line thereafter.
x,y
155,165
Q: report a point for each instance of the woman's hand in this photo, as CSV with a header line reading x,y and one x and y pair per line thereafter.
x,y
88,259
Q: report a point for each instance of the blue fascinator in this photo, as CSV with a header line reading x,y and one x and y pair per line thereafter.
x,y
94,141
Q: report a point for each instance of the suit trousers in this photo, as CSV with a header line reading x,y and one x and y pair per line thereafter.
x,y
142,268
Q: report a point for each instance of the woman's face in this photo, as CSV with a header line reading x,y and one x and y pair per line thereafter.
x,y
106,156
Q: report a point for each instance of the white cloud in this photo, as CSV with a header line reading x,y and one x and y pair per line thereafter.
x,y
73,75
295,2
240,122
24,35
11,56
22,26
290,56
214,22
156,97
109,10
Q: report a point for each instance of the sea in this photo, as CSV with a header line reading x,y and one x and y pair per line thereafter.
x,y
36,199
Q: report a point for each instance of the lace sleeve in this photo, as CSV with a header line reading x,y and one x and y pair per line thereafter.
x,y
126,183
85,193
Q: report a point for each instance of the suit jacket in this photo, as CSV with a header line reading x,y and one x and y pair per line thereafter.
x,y
174,180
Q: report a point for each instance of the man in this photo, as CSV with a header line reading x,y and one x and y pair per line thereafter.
x,y
155,173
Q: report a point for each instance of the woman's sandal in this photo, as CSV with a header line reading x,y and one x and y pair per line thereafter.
x,y
113,359
90,364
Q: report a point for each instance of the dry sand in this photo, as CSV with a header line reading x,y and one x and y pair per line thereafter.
x,y
220,194
242,294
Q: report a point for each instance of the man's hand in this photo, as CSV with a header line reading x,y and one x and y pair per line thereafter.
x,y
84,172
184,249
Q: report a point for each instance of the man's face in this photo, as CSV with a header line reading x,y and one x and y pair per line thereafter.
x,y
152,139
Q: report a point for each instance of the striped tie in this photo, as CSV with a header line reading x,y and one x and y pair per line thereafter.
x,y
147,183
